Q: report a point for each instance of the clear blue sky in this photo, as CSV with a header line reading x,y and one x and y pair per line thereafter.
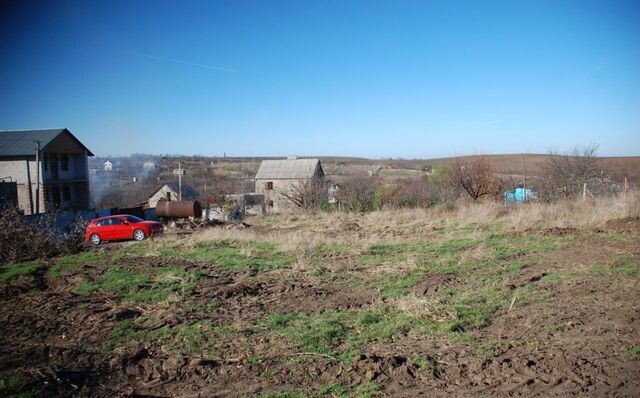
x,y
368,78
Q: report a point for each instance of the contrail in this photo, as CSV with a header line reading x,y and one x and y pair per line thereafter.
x,y
177,61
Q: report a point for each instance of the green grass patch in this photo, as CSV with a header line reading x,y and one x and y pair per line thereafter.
x,y
116,281
394,285
75,260
237,255
433,247
198,337
338,333
390,249
9,383
285,394
620,265
634,352
157,285
455,256
13,270
327,250
475,310
333,390
365,390
506,247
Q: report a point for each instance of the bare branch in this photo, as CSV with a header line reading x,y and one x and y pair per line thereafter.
x,y
473,176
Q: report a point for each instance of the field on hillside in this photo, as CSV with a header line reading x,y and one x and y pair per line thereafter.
x,y
344,168
479,300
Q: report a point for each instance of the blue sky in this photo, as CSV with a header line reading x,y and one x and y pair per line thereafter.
x,y
369,78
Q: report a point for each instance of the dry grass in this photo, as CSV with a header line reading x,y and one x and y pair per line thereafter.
x,y
424,308
577,214
304,233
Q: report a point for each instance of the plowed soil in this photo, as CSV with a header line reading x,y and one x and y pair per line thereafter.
x,y
579,341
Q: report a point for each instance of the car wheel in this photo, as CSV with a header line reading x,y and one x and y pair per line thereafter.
x,y
138,234
95,239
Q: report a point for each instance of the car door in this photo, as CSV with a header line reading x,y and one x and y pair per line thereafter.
x,y
119,229
102,229
106,229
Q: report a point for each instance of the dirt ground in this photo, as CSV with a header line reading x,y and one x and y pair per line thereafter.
x,y
579,342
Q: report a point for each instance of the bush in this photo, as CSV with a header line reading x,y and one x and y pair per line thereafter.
x,y
565,174
21,240
358,194
414,192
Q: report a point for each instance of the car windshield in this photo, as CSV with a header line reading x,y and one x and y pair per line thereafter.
x,y
133,219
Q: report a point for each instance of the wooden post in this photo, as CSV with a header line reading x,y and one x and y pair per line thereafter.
x,y
524,180
625,196
29,185
37,147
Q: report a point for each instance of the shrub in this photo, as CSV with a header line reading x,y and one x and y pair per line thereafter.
x,y
358,194
22,240
474,176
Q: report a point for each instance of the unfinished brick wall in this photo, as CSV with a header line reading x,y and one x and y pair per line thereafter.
x,y
17,170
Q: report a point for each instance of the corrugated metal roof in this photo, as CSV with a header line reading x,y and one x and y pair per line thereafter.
x,y
20,142
288,168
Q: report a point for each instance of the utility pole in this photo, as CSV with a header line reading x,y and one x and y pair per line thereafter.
x,y
179,171
179,180
37,145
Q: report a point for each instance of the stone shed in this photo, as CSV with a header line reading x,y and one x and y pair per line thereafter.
x,y
276,178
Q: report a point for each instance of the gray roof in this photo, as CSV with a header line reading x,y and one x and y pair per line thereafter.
x,y
20,142
288,168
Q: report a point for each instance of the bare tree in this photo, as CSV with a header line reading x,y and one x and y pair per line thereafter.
x,y
306,194
568,172
410,192
473,176
358,193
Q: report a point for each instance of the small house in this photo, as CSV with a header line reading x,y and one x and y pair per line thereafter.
x,y
164,192
171,191
276,179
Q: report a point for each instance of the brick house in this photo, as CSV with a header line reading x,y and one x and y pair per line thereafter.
x,y
62,168
276,177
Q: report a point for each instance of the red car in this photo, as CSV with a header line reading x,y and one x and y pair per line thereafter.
x,y
120,227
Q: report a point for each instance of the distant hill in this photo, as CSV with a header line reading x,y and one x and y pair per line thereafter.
x,y
506,163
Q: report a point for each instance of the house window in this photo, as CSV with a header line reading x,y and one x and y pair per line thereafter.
x,y
56,197
54,167
269,185
64,163
66,194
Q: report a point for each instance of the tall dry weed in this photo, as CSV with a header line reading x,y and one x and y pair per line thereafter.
x,y
304,234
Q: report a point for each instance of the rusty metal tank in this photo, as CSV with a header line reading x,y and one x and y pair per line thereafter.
x,y
180,209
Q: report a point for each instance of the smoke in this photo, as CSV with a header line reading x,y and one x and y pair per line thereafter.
x,y
128,183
